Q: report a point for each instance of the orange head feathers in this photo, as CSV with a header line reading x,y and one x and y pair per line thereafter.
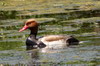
x,y
31,23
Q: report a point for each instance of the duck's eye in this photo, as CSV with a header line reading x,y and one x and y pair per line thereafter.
x,y
28,23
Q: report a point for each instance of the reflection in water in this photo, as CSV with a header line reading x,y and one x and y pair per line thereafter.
x,y
34,57
64,56
37,58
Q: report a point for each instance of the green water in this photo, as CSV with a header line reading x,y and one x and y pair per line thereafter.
x,y
84,25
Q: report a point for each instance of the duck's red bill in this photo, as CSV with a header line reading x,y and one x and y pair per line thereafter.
x,y
24,28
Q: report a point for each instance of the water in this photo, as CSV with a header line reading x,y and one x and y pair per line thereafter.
x,y
84,25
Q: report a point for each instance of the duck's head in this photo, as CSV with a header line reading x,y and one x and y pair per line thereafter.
x,y
30,24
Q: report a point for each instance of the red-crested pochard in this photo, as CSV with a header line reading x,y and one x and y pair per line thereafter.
x,y
49,41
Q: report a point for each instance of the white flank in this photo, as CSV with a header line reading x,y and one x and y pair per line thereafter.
x,y
54,44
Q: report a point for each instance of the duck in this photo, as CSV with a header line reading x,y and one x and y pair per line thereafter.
x,y
48,41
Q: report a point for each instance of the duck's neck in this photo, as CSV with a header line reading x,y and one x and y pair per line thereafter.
x,y
33,32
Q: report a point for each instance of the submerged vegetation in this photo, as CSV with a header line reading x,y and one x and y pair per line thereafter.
x,y
49,8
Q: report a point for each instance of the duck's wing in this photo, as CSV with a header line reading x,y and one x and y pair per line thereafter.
x,y
51,38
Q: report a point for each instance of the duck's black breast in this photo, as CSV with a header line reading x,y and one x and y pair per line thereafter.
x,y
31,41
31,44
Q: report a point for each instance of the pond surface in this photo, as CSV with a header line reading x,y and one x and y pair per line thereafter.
x,y
84,25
